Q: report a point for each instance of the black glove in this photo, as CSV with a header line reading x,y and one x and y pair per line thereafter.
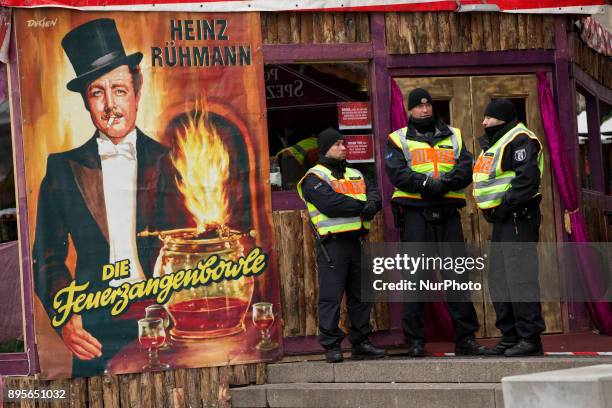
x,y
502,212
369,211
434,189
489,215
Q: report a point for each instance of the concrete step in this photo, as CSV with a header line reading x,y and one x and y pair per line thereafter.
x,y
422,370
584,387
379,395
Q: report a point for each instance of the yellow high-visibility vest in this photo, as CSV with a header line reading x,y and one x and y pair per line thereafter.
x,y
490,182
352,185
303,149
433,161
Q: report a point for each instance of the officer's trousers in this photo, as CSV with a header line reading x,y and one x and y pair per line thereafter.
x,y
513,274
342,274
416,228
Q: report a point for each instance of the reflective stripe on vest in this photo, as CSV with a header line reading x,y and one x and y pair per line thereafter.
x,y
433,161
301,150
352,185
490,182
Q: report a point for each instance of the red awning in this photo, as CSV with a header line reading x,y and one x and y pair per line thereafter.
x,y
510,6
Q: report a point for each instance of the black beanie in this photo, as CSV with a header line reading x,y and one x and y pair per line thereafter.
x,y
501,109
417,97
326,139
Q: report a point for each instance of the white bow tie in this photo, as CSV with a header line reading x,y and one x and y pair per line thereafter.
x,y
107,149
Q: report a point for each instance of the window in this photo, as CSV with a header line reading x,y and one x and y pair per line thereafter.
x,y
583,141
302,100
11,304
605,123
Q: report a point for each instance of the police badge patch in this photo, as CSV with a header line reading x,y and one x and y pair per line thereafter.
x,y
520,155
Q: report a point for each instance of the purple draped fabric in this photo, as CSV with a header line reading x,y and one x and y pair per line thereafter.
x,y
439,324
399,118
601,312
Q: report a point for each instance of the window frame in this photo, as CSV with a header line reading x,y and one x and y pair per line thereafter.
x,y
21,363
594,94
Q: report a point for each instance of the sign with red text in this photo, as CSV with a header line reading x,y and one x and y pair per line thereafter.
x,y
354,115
359,148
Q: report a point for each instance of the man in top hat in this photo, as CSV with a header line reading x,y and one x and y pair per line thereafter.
x,y
101,194
429,166
507,178
341,204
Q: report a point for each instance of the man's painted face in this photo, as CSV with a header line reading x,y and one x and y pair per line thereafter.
x,y
113,104
337,151
422,111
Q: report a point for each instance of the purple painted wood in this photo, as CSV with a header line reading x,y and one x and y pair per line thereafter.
x,y
597,199
380,84
287,200
467,71
565,94
598,182
291,53
482,58
15,366
11,364
591,85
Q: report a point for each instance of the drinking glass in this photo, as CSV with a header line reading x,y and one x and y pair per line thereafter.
x,y
263,319
151,335
161,312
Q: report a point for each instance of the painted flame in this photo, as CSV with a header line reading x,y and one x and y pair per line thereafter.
x,y
203,165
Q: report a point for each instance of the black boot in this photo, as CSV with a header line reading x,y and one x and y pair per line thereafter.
x,y
499,348
366,351
416,348
334,354
525,348
468,346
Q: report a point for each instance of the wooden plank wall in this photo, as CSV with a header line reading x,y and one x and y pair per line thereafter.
x,y
299,278
595,215
429,32
194,388
310,28
596,65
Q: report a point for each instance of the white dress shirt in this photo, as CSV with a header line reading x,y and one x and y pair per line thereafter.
x,y
119,174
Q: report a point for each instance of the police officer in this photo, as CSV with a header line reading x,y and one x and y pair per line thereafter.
x,y
429,166
296,159
341,204
507,179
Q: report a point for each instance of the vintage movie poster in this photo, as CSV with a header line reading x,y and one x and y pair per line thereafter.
x,y
147,175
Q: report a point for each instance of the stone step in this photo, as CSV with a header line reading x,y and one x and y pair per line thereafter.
x,y
423,370
584,387
353,395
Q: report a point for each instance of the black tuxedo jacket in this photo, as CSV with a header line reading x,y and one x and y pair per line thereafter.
x,y
71,204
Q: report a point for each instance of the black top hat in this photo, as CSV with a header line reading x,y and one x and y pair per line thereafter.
x,y
94,49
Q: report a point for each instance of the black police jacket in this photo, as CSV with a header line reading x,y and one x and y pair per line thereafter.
x,y
334,204
405,179
521,155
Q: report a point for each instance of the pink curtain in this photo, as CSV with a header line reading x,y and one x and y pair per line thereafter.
x,y
439,323
601,312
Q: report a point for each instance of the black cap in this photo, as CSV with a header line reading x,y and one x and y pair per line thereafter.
x,y
94,49
502,109
417,97
327,138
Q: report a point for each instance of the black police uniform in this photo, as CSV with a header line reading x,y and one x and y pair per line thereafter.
x,y
343,273
432,219
517,219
